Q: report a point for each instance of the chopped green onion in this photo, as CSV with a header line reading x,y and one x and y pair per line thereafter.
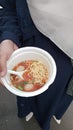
x,y
26,82
20,88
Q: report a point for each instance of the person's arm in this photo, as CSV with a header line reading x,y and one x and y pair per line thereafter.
x,y
9,28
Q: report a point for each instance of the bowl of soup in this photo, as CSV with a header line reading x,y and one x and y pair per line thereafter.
x,y
39,72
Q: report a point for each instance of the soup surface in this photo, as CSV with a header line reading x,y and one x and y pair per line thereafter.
x,y
35,76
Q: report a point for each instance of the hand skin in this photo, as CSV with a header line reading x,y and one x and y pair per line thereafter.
x,y
7,47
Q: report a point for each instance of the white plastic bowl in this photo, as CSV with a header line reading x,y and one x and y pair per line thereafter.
x,y
30,53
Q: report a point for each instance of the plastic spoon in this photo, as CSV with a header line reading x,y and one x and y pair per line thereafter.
x,y
18,73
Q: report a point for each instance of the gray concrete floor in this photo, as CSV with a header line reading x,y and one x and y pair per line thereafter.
x,y
10,121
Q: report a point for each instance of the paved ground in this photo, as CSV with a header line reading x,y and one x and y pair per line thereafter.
x,y
10,121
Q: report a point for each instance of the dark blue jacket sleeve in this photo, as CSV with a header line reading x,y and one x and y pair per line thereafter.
x,y
9,28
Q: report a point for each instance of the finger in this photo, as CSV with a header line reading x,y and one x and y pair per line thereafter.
x,y
1,83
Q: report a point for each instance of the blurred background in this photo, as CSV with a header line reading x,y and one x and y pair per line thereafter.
x,y
10,121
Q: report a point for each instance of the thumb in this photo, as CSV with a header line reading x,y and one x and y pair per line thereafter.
x,y
3,68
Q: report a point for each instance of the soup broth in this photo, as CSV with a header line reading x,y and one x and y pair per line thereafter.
x,y
35,76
